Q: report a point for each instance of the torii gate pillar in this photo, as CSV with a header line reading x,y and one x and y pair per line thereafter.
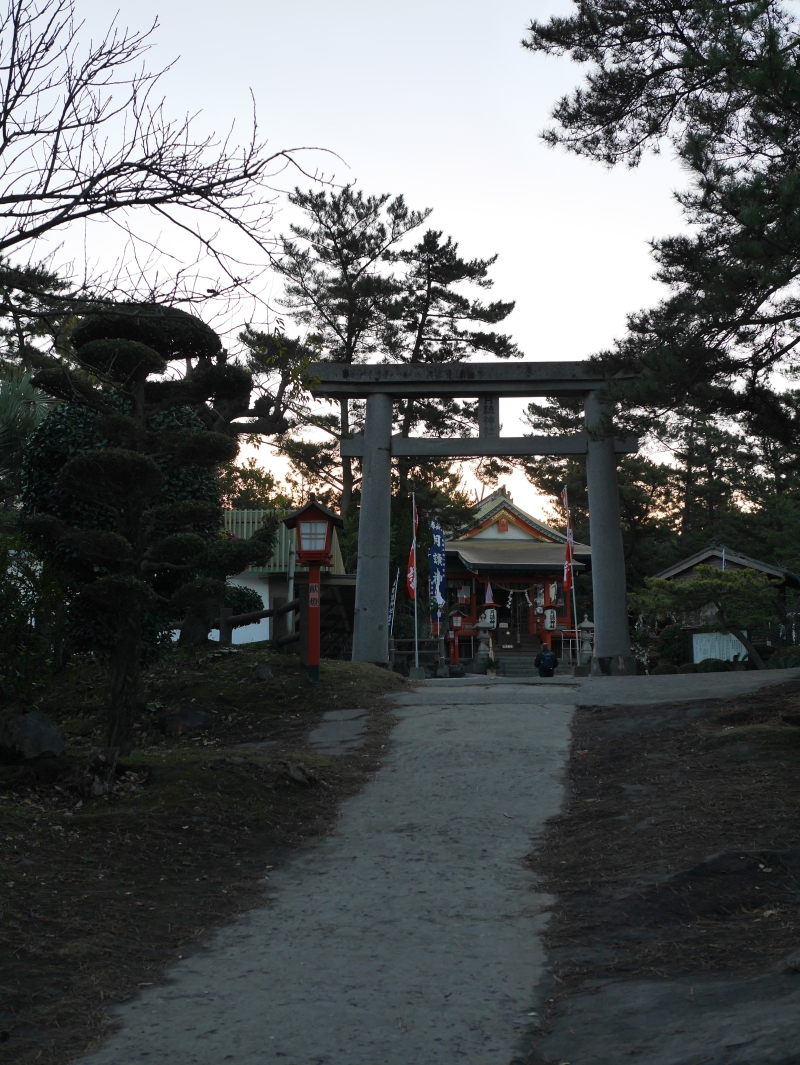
x,y
371,621
612,642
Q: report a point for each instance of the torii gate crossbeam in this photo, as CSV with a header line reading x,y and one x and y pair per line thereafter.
x,y
381,384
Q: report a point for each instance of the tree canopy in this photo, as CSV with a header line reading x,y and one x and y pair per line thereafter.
x,y
87,138
739,598
720,83
336,285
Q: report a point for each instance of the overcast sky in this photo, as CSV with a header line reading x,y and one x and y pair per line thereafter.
x,y
436,100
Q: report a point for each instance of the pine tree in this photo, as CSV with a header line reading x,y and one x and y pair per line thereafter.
x,y
121,481
432,320
721,84
336,281
741,599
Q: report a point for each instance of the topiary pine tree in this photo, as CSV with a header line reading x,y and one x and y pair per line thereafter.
x,y
121,483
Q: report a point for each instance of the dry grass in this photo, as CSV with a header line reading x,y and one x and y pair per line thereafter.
x,y
679,849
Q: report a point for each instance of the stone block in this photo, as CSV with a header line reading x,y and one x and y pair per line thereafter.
x,y
27,736
188,720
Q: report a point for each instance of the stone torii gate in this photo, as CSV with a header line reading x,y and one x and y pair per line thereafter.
x,y
381,384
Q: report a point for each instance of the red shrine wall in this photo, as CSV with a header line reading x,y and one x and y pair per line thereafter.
x,y
521,623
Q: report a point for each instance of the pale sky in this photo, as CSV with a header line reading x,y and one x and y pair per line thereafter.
x,y
436,100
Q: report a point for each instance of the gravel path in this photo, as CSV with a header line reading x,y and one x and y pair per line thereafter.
x,y
410,936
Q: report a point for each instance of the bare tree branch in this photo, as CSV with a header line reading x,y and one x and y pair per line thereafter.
x,y
83,137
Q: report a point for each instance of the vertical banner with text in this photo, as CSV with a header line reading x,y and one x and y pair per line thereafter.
x,y
438,582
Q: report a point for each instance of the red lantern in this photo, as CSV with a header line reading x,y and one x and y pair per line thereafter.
x,y
314,524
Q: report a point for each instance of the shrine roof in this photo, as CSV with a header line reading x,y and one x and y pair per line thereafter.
x,y
493,506
537,556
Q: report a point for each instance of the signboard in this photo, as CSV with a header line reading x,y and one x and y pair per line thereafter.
x,y
716,645
489,618
550,618
313,596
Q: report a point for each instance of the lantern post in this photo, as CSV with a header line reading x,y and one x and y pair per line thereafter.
x,y
314,524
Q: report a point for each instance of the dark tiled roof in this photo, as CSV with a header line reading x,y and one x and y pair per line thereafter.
x,y
738,560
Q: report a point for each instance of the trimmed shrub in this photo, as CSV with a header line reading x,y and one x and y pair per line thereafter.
x,y
714,665
673,645
663,668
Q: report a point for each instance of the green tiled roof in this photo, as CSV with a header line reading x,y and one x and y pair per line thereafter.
x,y
243,523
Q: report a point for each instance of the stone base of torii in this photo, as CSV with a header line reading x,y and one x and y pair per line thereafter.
x,y
380,385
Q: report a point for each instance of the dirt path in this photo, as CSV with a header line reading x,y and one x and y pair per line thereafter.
x,y
410,935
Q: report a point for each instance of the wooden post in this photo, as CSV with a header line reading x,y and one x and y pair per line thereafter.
x,y
277,627
225,630
313,622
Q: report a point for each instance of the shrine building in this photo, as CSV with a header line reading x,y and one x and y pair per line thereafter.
x,y
521,560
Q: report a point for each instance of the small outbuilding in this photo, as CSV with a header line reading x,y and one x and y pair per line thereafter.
x,y
718,644
722,557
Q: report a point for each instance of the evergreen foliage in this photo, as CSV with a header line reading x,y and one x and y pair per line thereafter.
x,y
336,282
121,483
741,599
22,408
714,483
431,319
673,645
29,594
721,84
251,487
359,291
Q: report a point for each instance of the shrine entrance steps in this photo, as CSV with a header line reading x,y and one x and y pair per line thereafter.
x,y
525,644
516,666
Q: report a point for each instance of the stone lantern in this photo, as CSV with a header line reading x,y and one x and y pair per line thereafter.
x,y
586,630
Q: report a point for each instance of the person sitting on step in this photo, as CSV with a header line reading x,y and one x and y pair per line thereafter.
x,y
546,662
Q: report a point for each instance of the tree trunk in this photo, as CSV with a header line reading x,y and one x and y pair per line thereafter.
x,y
197,624
754,655
688,486
347,462
125,660
740,636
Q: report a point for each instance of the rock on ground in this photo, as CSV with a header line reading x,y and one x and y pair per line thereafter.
x,y
27,736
